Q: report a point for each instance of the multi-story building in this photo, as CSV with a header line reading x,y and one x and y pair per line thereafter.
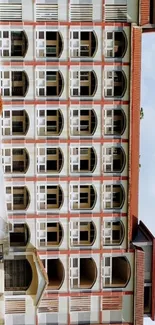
x,y
71,248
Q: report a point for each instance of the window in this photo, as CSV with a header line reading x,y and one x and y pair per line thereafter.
x,y
13,43
49,197
83,273
115,44
82,159
114,83
113,196
19,234
49,234
49,160
113,233
115,271
17,198
15,123
56,273
114,122
82,122
82,197
82,233
82,44
49,122
49,83
14,83
49,44
15,160
83,83
113,159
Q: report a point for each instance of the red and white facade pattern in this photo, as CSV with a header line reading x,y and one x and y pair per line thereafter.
x,y
86,140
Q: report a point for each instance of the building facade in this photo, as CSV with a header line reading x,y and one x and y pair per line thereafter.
x,y
70,87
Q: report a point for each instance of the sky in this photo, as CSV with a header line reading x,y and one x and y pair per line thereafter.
x,y
147,137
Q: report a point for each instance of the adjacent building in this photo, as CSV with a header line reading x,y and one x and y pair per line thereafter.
x,y
72,251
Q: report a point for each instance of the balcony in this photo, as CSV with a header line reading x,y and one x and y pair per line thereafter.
x,y
113,197
50,122
83,44
82,160
83,273
49,160
115,84
113,233
116,272
83,123
19,235
114,159
15,161
114,122
82,197
49,197
56,274
49,83
14,83
18,198
82,233
83,83
115,44
49,44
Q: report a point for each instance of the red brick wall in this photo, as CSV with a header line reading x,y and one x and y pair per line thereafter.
x,y
144,12
139,294
134,129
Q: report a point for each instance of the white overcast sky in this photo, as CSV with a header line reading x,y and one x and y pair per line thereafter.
x,y
147,137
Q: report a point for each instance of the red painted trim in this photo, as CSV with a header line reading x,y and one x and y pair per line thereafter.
x,y
65,102
69,64
66,215
83,252
63,23
68,179
89,141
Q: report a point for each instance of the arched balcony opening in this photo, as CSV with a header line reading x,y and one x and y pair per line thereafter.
x,y
53,160
20,161
54,197
56,274
18,198
115,83
54,234
18,275
19,235
114,122
82,160
113,160
83,197
49,44
113,233
20,123
50,122
83,83
116,44
82,233
119,272
113,196
83,122
50,83
54,44
20,83
19,44
83,44
88,273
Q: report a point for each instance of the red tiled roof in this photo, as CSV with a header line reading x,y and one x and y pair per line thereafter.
x,y
144,12
139,290
135,93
